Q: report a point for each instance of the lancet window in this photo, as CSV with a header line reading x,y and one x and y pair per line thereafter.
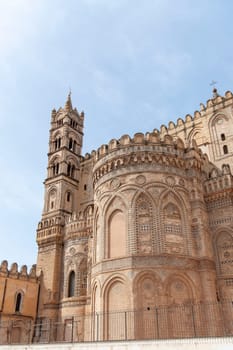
x,y
71,284
144,224
18,303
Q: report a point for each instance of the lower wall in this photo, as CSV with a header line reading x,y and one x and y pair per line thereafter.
x,y
177,344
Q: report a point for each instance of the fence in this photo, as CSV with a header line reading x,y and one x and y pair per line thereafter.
x,y
183,321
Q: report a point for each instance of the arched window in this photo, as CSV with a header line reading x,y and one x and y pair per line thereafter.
x,y
70,144
57,143
71,285
223,137
173,229
68,196
225,149
70,170
18,302
224,250
55,169
60,122
82,279
117,234
144,224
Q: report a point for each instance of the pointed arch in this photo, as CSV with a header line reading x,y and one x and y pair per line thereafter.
x,y
18,301
143,224
195,134
180,293
71,284
68,200
115,293
97,239
52,199
54,166
116,234
147,287
95,309
116,300
219,127
147,295
95,296
115,230
179,289
173,221
82,278
224,251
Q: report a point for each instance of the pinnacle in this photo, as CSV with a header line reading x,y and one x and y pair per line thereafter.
x,y
68,105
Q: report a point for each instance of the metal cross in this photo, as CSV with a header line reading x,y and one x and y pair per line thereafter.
x,y
213,83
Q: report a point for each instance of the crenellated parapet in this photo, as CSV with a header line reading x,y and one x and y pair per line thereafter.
x,y
150,150
219,188
50,230
14,271
220,181
79,225
213,105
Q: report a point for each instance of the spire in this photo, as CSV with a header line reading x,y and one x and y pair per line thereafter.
x,y
68,105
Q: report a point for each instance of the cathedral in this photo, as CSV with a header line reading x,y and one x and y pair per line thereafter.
x,y
135,239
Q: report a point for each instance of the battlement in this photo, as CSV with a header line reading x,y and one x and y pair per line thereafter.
x,y
139,139
50,229
80,224
13,272
149,148
163,136
219,180
213,105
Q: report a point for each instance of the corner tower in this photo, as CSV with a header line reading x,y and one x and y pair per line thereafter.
x,y
61,190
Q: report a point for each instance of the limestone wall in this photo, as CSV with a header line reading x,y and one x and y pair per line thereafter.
x,y
179,344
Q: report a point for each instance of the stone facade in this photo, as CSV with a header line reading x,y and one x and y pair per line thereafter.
x,y
140,224
18,302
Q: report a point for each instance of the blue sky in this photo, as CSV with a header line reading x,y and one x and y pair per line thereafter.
x,y
132,65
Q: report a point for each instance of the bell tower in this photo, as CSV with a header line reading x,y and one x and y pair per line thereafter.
x,y
61,192
65,144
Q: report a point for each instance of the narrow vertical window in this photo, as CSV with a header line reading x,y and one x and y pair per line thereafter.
x,y
223,138
57,143
72,171
71,286
225,149
68,196
18,302
74,146
57,168
70,144
68,169
85,187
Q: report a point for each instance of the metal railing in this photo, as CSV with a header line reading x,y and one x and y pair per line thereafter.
x,y
210,319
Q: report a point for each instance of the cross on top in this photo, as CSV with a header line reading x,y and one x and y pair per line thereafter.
x,y
213,83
